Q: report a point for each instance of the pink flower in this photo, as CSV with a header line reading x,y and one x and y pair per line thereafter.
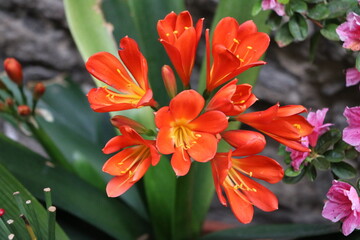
x,y
316,119
343,205
351,134
274,5
352,77
349,32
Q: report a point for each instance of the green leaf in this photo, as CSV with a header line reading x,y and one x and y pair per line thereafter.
x,y
193,197
160,188
283,36
319,12
343,170
314,1
293,180
298,6
256,8
290,172
339,8
334,156
321,163
283,1
327,140
351,154
273,231
329,31
8,185
341,146
71,193
311,172
298,27
357,64
274,21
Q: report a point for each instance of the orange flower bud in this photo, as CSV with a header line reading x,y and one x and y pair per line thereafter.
x,y
14,70
119,121
39,90
2,212
24,110
9,101
169,80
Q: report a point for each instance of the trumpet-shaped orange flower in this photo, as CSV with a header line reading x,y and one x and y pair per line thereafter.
x,y
235,48
130,164
232,99
234,175
180,39
186,133
131,81
281,123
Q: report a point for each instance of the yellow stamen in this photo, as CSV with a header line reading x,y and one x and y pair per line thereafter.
x,y
184,137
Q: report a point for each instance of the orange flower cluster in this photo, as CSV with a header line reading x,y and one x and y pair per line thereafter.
x,y
190,127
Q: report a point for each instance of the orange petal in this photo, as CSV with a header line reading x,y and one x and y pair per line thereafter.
x,y
296,145
180,162
221,101
245,29
225,31
187,105
245,142
289,110
205,147
210,122
220,166
240,205
259,195
134,61
120,163
260,167
118,185
164,141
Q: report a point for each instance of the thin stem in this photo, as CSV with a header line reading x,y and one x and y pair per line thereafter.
x,y
49,146
23,97
51,222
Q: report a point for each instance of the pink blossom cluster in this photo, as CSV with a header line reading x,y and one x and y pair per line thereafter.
x,y
343,205
351,134
273,5
349,32
317,120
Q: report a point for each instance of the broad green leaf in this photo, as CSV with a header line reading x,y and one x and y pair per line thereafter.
x,y
329,31
8,185
256,8
321,163
71,193
314,1
273,231
343,170
339,8
311,172
283,1
334,156
88,27
298,27
351,154
290,172
293,180
160,190
358,62
274,21
319,12
327,140
283,36
298,6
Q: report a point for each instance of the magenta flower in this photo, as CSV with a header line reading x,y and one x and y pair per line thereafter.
x,y
349,32
316,119
351,134
352,77
274,5
343,205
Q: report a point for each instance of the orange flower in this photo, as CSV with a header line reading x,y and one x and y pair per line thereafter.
x,y
281,123
14,70
130,80
130,164
232,99
235,48
186,133
180,39
234,176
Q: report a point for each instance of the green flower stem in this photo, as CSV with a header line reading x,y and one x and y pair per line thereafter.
x,y
51,222
23,97
49,146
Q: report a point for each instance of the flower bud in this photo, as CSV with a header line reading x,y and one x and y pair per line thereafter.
x,y
169,80
24,110
9,101
14,70
2,107
118,121
2,212
39,90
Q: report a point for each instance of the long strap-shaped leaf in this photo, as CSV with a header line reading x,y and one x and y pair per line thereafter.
x,y
8,185
70,192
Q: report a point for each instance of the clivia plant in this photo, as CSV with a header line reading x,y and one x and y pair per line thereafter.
x,y
174,145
